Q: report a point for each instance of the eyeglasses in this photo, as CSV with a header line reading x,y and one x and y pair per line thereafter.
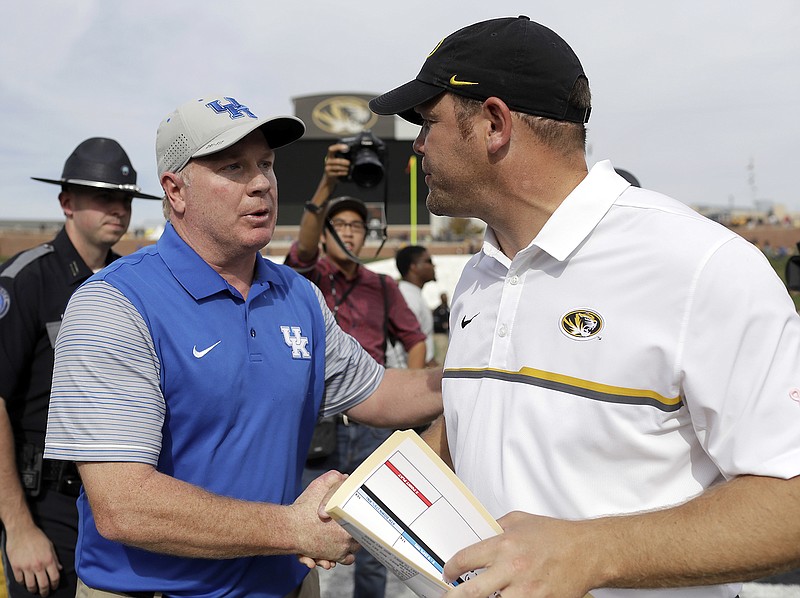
x,y
357,226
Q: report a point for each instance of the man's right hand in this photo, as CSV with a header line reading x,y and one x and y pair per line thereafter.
x,y
313,221
322,541
33,559
336,167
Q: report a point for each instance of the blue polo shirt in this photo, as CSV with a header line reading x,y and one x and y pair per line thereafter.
x,y
241,380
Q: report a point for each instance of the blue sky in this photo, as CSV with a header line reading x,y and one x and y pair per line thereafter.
x,y
700,100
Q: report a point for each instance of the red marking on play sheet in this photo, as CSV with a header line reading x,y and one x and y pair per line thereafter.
x,y
408,484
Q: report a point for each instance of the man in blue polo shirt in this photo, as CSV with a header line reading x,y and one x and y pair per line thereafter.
x,y
189,376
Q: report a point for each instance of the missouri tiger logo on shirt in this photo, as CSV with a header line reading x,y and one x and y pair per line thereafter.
x,y
581,324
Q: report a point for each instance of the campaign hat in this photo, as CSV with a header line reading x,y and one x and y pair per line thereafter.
x,y
525,64
100,162
212,123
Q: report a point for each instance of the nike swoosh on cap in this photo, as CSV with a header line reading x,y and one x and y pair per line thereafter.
x,y
454,81
200,354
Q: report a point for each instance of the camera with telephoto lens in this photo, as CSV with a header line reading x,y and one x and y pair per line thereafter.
x,y
366,153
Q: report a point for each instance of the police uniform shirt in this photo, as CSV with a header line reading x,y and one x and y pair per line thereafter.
x,y
161,361
35,286
631,356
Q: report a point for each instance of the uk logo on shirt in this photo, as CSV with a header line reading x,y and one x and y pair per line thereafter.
x,y
293,337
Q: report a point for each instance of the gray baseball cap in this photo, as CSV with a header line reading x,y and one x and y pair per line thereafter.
x,y
210,124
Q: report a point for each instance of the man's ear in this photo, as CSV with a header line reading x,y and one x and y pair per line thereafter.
x,y
498,117
173,185
65,200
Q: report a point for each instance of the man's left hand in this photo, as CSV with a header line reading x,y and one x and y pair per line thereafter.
x,y
535,556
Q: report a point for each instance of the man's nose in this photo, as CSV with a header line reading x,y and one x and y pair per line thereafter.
x,y
120,205
419,144
259,182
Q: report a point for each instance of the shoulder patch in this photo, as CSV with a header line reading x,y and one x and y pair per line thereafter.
x,y
5,302
25,259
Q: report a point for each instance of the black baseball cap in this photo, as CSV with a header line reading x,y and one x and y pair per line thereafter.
x,y
523,63
345,202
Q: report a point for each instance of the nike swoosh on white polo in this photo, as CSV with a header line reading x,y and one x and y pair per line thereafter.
x,y
200,354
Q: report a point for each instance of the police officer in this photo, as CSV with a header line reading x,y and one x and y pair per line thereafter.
x,y
37,501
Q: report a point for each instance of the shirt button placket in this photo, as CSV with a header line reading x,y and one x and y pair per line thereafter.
x,y
509,304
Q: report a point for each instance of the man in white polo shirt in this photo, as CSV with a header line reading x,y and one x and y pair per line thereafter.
x,y
621,387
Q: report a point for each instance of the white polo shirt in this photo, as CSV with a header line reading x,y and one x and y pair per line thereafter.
x,y
396,355
632,355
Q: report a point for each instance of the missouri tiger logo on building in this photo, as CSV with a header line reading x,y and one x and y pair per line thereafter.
x,y
581,324
343,115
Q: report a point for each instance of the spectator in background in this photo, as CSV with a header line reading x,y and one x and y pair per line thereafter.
x,y
366,305
37,497
416,269
441,316
441,327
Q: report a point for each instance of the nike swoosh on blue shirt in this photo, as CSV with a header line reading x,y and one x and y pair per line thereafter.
x,y
200,354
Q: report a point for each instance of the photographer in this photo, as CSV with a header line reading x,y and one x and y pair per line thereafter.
x,y
367,306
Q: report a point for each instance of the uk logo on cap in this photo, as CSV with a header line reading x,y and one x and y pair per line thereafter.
x,y
233,108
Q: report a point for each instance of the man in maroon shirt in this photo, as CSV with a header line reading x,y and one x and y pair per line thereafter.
x,y
367,306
